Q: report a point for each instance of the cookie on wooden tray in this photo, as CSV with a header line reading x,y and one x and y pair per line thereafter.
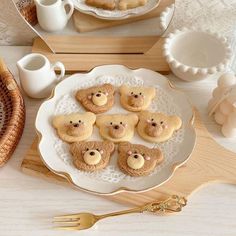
x,y
138,160
157,127
97,99
136,98
117,127
104,4
91,156
129,4
74,127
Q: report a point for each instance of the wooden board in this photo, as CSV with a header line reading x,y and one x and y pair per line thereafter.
x,y
134,52
85,23
209,163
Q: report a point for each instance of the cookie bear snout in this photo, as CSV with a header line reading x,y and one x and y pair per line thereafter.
x,y
92,157
99,98
117,130
136,100
76,129
153,129
135,160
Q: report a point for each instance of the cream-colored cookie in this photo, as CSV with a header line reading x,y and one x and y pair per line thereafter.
x,y
136,98
157,127
138,160
97,99
74,127
117,127
92,155
129,4
104,4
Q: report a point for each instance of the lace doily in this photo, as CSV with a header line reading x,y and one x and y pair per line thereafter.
x,y
163,102
80,4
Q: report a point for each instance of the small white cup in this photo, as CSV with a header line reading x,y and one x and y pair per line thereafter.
x,y
37,75
52,15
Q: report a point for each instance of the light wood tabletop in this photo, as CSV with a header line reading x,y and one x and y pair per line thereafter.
x,y
27,204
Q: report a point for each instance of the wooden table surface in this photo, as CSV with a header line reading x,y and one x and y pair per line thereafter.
x,y
27,204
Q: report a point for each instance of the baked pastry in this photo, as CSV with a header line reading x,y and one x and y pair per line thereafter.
x,y
157,127
129,4
136,98
104,4
97,99
91,156
138,160
117,127
74,127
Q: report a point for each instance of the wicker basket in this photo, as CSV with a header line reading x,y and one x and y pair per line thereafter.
x,y
12,114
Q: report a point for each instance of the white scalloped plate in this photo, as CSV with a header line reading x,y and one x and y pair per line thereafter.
x,y
115,14
109,181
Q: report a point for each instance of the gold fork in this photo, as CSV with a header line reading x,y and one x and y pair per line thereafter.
x,y
82,221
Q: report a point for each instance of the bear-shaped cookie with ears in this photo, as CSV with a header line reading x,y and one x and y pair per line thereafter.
x,y
117,127
129,4
74,127
97,99
138,160
91,156
157,127
136,98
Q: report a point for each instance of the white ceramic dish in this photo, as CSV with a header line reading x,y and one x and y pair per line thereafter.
x,y
115,14
195,55
55,153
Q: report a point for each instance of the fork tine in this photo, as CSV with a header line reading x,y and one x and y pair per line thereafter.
x,y
68,228
67,222
72,216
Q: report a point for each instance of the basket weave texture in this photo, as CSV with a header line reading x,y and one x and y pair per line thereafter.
x,y
12,116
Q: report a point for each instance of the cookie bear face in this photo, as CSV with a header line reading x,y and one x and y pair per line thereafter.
x,y
91,156
117,128
74,127
138,160
157,127
136,98
97,99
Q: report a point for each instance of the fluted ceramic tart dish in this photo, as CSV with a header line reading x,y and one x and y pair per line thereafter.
x,y
111,180
115,14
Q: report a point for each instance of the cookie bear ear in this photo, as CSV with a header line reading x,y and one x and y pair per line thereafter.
x,y
101,119
91,117
109,146
109,88
143,115
57,121
124,89
74,147
157,154
175,121
132,119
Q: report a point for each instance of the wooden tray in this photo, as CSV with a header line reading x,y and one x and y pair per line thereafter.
x,y
134,52
209,163
85,23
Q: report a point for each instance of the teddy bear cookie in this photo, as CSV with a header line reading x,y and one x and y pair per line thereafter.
x,y
91,156
74,127
117,127
138,160
97,99
104,4
129,4
136,98
157,127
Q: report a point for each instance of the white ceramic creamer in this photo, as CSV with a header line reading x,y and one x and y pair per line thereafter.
x,y
37,75
52,15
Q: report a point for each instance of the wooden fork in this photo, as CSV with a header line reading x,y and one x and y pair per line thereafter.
x,y
82,221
